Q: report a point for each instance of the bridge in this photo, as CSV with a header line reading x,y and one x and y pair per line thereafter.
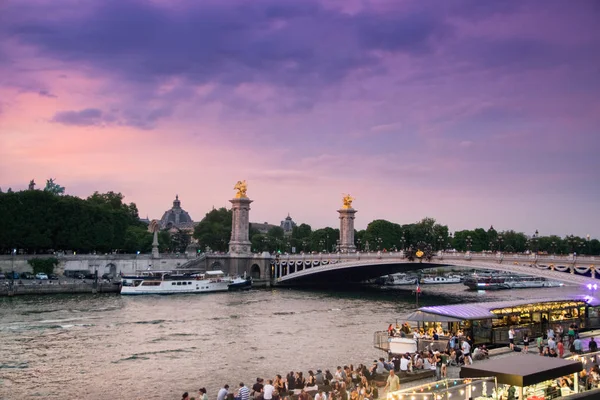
x,y
356,267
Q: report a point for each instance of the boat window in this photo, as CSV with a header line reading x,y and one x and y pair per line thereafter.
x,y
178,283
189,283
173,283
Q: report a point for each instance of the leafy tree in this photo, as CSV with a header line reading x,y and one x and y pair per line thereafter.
x,y
53,187
276,232
43,265
180,241
383,234
302,231
214,230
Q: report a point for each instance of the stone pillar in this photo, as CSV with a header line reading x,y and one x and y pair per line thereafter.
x,y
240,226
347,230
155,253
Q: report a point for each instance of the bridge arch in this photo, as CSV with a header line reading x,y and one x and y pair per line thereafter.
x,y
216,265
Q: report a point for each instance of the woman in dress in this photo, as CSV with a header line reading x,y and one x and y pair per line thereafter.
x,y
279,384
300,381
202,393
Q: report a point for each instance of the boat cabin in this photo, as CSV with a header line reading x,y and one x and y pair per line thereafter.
x,y
489,323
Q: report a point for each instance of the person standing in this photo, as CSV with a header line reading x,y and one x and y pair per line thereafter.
x,y
511,338
593,346
223,392
243,393
526,343
561,349
393,382
466,349
268,390
540,344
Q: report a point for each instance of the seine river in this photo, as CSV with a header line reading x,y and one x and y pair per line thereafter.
x,y
157,347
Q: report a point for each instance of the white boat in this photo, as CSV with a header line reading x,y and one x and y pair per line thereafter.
x,y
441,279
402,345
399,279
500,282
163,282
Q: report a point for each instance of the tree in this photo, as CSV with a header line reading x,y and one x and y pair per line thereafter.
x,y
276,232
214,230
383,234
302,231
54,188
180,240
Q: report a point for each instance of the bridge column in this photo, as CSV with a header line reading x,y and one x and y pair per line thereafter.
x,y
347,228
279,270
240,242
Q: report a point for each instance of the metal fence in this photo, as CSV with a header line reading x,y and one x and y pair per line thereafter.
x,y
381,342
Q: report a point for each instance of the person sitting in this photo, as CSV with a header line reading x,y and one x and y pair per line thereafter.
x,y
418,362
404,363
478,354
552,353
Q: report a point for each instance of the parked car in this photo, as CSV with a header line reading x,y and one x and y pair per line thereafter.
x,y
15,275
2,276
108,277
41,276
90,276
27,275
53,277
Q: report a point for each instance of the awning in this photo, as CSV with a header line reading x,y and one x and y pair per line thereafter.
x,y
420,316
524,370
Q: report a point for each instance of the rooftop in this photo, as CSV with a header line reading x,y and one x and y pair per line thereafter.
x,y
529,370
472,311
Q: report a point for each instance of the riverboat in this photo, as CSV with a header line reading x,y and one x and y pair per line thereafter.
x,y
509,282
399,280
165,282
489,322
428,280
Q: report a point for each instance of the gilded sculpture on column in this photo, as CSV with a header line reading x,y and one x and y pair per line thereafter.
x,y
241,188
347,200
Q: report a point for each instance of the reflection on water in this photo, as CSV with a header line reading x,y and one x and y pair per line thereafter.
x,y
156,347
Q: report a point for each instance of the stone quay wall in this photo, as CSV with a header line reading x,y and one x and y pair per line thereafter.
x,y
17,290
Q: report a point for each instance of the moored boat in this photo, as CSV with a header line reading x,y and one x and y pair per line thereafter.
x,y
399,280
441,279
165,282
509,282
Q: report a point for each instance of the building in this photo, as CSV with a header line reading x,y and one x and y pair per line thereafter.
x,y
177,218
262,227
287,225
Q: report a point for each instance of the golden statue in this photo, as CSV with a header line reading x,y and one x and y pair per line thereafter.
x,y
241,188
347,199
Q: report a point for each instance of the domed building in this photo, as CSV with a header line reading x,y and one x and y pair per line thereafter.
x,y
287,225
176,217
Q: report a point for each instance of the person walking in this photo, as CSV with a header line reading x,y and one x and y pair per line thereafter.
x,y
393,383
540,344
561,349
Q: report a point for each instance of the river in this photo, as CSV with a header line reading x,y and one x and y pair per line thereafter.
x,y
157,347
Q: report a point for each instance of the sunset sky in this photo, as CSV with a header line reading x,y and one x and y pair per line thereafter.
x,y
472,112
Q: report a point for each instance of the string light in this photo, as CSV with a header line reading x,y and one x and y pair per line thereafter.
x,y
462,392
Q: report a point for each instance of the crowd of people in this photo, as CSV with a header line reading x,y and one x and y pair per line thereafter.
x,y
345,383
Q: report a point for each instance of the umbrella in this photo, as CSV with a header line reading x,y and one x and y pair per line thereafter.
x,y
420,316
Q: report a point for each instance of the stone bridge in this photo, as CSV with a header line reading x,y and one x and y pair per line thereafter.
x,y
357,267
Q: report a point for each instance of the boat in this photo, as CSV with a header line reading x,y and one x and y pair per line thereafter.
x,y
509,282
167,282
399,279
441,279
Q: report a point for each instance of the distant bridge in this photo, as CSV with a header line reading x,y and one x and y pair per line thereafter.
x,y
357,267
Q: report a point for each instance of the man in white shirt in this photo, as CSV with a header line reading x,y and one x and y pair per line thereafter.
x,y
404,363
320,395
466,349
268,390
551,343
511,338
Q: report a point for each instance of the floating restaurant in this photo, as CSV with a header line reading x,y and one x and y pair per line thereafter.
x,y
489,322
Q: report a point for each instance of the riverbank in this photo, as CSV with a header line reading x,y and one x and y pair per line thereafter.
x,y
57,288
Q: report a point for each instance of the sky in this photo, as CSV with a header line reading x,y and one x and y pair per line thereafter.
x,y
475,113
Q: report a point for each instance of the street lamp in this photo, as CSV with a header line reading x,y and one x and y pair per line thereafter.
x,y
469,243
403,242
321,243
500,241
589,245
571,241
358,244
440,242
337,245
535,239
379,241
553,247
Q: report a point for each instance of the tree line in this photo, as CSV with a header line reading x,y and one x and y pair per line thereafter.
x,y
40,221
214,232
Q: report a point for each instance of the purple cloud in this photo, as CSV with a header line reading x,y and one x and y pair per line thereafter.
x,y
45,93
97,117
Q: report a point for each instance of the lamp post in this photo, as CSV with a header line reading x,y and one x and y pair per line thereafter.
x,y
553,247
304,245
337,245
469,243
12,273
321,243
358,244
440,241
379,241
500,243
534,240
403,242
450,240
571,241
327,242
589,245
